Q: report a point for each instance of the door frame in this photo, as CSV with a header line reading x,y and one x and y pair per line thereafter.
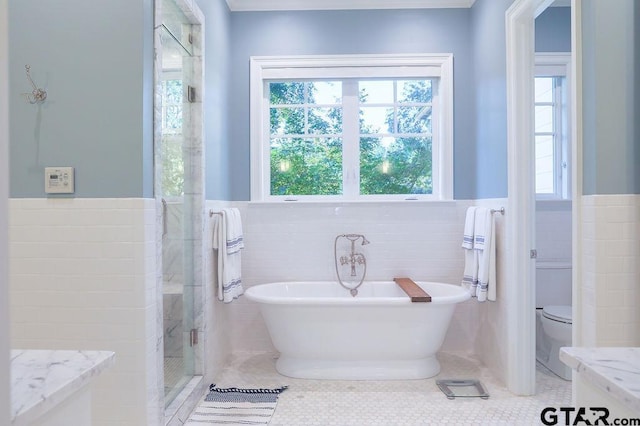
x,y
520,229
520,42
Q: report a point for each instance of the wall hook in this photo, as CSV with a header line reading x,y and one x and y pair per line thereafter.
x,y
37,95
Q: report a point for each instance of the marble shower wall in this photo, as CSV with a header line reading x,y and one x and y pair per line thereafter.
x,y
172,266
172,279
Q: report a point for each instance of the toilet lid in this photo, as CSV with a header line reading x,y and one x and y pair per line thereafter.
x,y
558,313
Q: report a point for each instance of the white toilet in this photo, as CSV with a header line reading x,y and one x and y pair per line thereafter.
x,y
553,314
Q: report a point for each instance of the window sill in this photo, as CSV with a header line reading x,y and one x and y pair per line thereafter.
x,y
338,203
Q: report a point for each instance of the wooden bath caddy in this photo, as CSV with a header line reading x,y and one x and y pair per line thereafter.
x,y
413,290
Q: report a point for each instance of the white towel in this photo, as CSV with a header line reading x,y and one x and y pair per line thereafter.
x,y
228,241
484,243
470,276
235,240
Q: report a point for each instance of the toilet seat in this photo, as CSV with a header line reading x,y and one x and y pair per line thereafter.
x,y
558,313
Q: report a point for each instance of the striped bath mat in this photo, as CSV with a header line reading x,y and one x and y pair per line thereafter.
x,y
236,406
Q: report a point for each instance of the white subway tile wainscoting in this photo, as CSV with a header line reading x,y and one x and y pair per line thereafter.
x,y
610,294
83,271
420,240
83,277
286,242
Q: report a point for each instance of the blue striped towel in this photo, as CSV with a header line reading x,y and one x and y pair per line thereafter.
x,y
470,275
228,242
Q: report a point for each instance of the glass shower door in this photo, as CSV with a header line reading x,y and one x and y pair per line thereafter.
x,y
181,200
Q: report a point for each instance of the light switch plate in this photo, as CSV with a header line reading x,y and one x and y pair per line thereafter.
x,y
59,180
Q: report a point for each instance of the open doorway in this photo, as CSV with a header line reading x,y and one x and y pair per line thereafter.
x,y
521,233
552,185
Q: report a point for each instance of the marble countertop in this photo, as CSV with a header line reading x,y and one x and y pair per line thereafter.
x,y
42,379
614,370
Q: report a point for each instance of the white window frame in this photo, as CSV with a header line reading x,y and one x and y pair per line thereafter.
x,y
265,68
558,64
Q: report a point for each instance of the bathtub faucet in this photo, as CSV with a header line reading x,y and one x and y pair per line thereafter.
x,y
352,259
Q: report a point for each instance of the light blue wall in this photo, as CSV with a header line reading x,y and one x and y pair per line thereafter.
x,y
475,36
352,32
490,97
95,59
488,38
98,117
216,103
611,150
553,30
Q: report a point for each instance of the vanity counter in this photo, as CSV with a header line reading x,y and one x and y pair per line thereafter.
x,y
612,372
42,380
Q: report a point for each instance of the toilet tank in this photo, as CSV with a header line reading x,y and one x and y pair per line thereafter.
x,y
553,283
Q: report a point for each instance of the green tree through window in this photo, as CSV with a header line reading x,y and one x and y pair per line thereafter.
x,y
399,159
394,119
172,140
306,143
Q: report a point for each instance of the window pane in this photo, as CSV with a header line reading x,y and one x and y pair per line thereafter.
x,y
414,91
172,106
376,119
286,93
544,165
171,147
395,166
287,121
172,165
172,91
306,125
325,120
306,166
544,119
325,92
414,119
376,92
172,120
543,89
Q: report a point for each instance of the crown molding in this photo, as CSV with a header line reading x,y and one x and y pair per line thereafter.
x,y
272,5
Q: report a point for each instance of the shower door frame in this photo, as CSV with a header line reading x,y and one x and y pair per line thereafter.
x,y
193,149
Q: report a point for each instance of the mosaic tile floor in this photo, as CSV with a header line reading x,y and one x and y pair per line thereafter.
x,y
388,403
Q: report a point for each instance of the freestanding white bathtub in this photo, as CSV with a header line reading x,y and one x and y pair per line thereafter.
x,y
322,332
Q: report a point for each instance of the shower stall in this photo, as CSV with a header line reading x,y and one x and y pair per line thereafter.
x,y
179,190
